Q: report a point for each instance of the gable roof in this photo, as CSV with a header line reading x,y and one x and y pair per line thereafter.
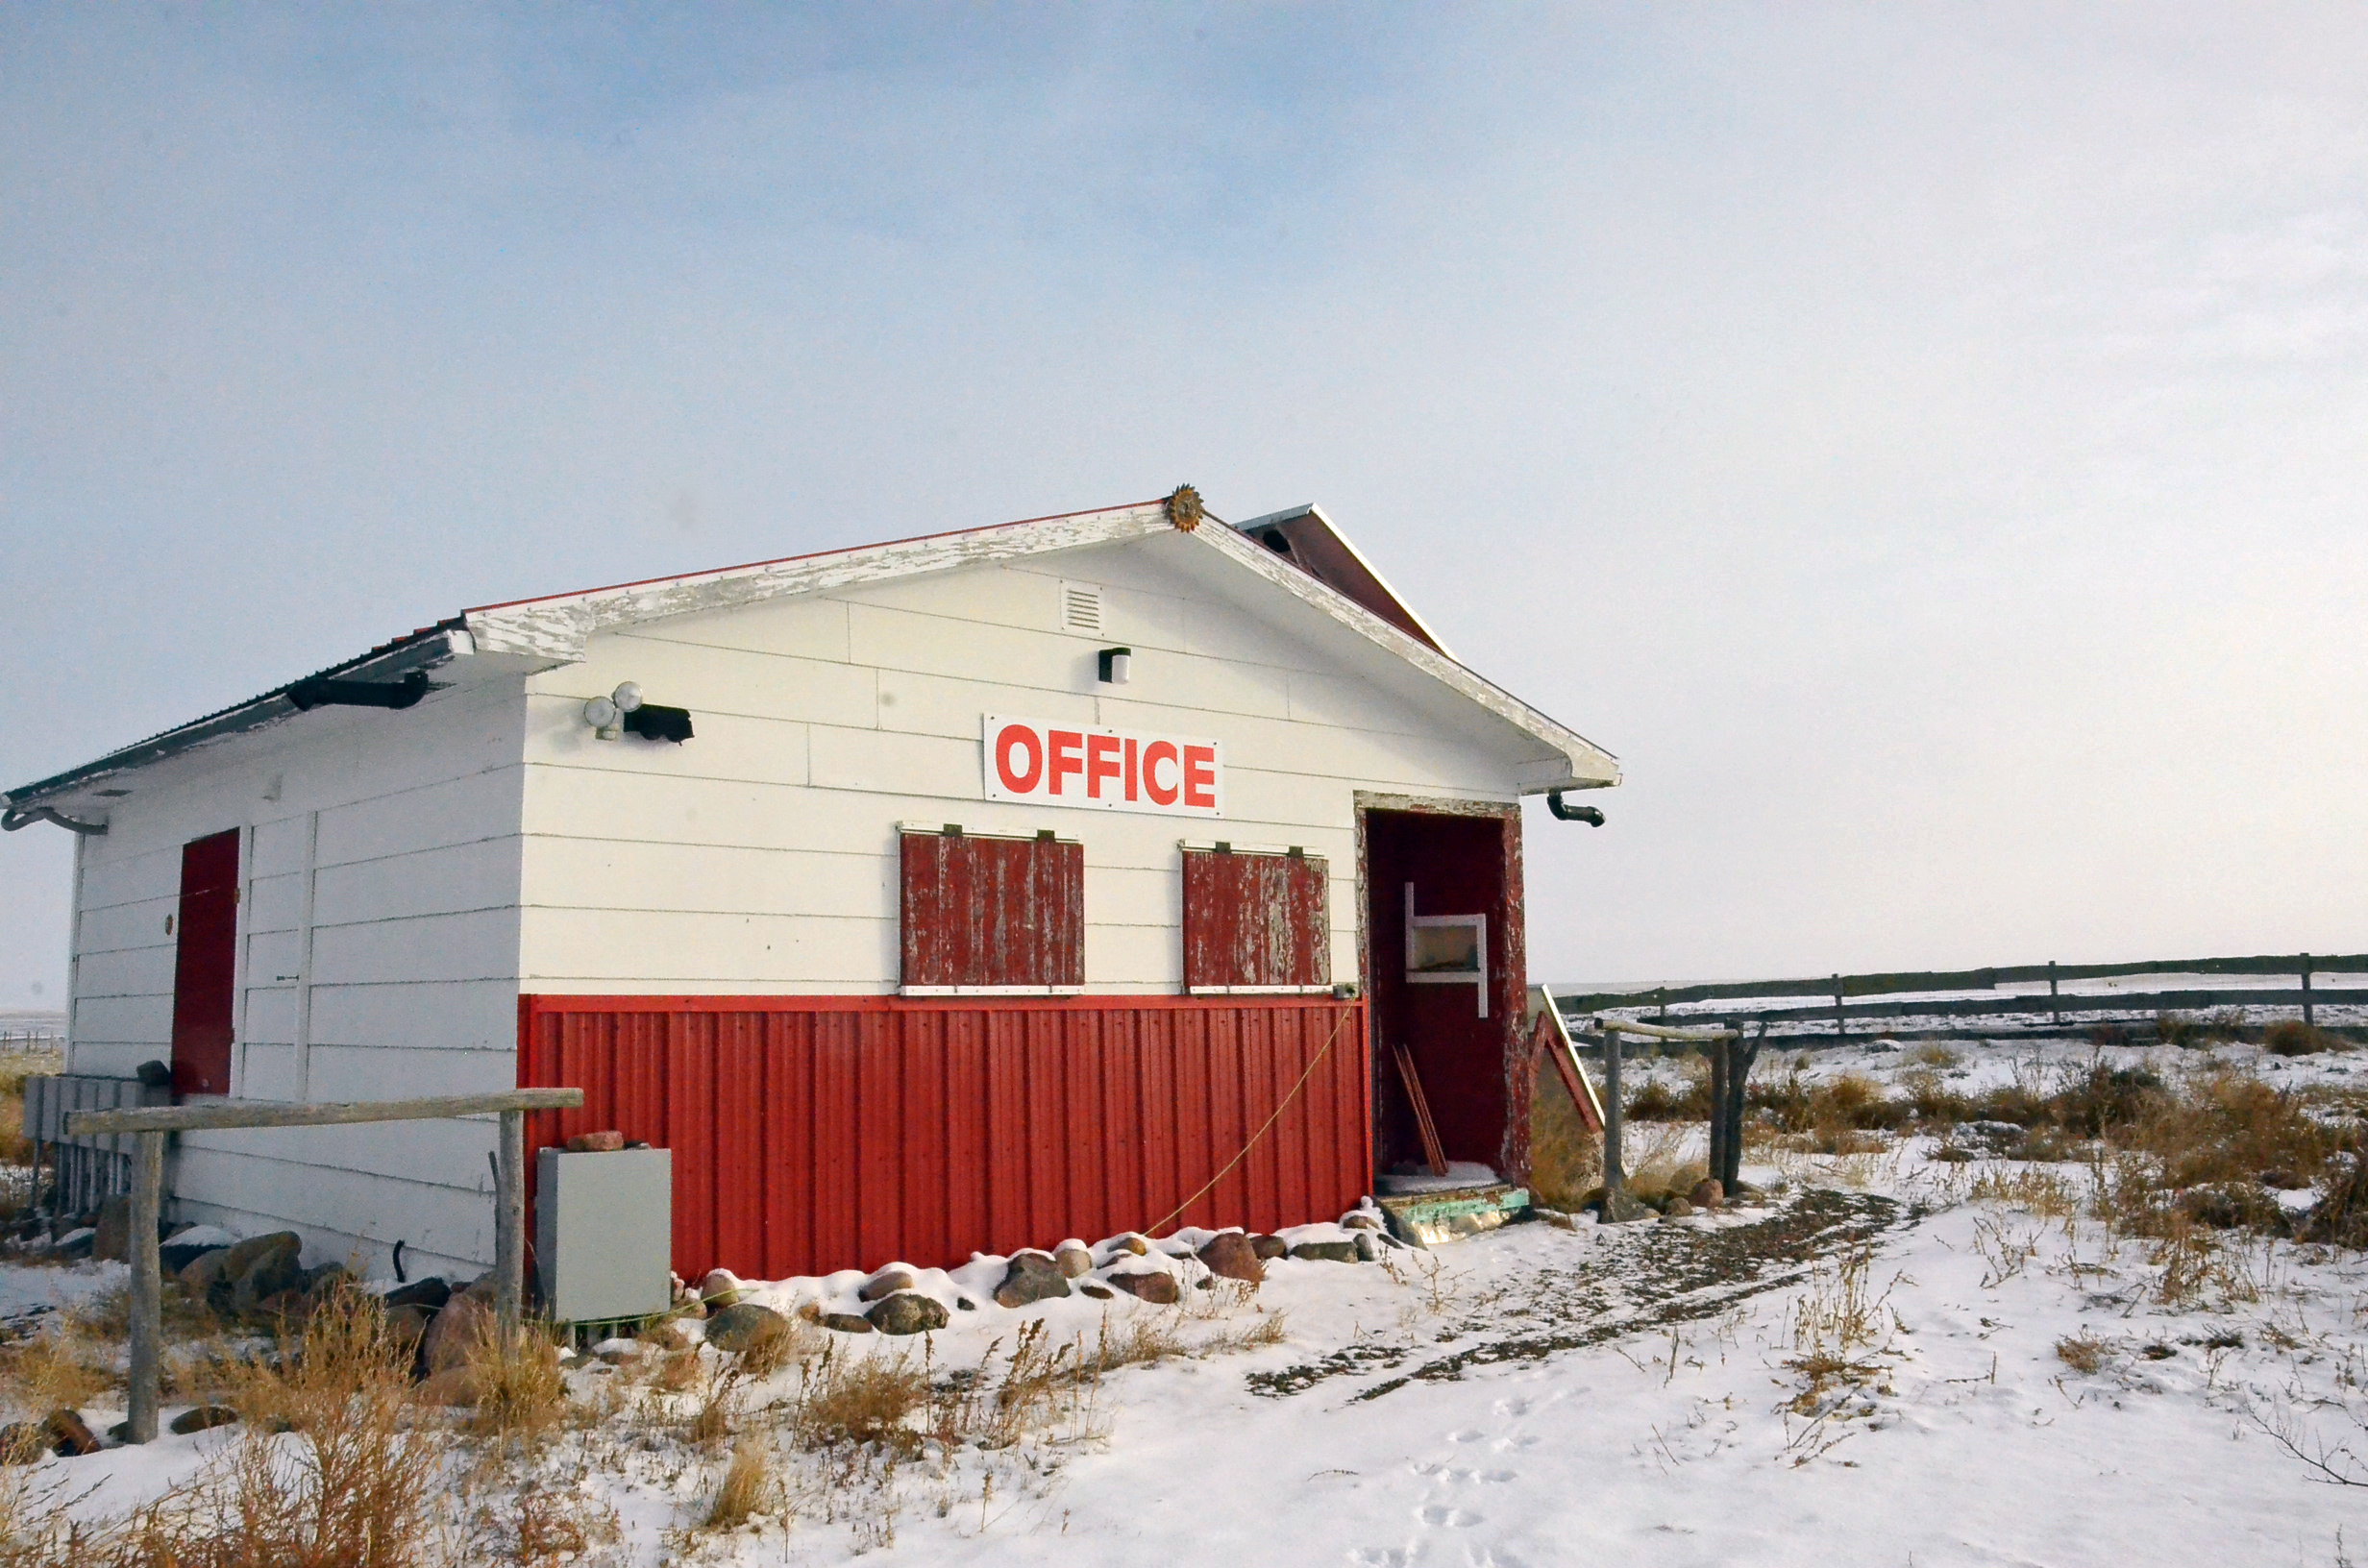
x,y
1319,568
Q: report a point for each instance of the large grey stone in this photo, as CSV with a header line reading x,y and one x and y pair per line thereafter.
x,y
1623,1207
112,1244
1231,1257
1031,1277
243,1255
454,1330
1327,1252
1152,1285
885,1284
908,1312
1075,1261
267,1274
736,1327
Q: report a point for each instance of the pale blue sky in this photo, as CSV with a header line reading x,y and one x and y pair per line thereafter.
x,y
1924,444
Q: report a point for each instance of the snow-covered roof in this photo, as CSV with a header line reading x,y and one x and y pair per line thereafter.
x,y
1299,551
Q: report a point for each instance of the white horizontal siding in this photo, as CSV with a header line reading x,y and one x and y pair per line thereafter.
x,y
760,857
402,829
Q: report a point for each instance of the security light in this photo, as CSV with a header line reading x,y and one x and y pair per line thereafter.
x,y
627,697
1116,665
601,714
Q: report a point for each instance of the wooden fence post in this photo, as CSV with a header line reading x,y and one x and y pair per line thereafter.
x,y
1842,1025
1614,1176
2055,1010
510,1250
1739,1078
2307,1018
147,1287
1721,1060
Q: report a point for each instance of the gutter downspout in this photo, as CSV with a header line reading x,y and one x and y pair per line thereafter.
x,y
11,821
1589,815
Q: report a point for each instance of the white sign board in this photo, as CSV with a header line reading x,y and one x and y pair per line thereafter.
x,y
1049,763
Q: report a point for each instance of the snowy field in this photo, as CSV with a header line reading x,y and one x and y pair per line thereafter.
x,y
1894,1359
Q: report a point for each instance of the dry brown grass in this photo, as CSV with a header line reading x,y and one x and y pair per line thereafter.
x,y
748,1490
1840,1329
851,1399
2082,1352
15,1067
352,1489
520,1390
2291,1036
70,1362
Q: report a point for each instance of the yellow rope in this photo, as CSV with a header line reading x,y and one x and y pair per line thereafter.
x,y
1280,1107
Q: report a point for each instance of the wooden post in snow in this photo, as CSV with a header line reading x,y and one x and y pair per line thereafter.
x,y
151,1123
510,1224
1739,1058
1721,1065
1614,1175
147,1287
2307,1018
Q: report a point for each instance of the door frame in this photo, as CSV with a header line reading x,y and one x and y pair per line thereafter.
x,y
1509,965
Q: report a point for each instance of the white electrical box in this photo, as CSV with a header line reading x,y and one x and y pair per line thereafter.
x,y
603,1233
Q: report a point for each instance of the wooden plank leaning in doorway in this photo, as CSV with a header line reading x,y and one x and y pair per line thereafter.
x,y
1432,1153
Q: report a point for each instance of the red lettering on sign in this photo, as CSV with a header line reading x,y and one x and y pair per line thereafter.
x,y
1200,776
1065,747
1101,761
1018,737
1133,771
1153,754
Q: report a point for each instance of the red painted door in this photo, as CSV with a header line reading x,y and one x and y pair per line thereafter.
x,y
204,965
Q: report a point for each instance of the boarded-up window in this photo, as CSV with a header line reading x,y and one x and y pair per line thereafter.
x,y
1255,922
980,912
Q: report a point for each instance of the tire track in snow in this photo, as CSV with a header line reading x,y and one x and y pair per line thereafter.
x,y
1639,1279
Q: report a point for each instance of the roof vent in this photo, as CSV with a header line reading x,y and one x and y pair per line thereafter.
x,y
1081,607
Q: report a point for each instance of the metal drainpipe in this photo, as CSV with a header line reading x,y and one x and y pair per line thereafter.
x,y
1589,815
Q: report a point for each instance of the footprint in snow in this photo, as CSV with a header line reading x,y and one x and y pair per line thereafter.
x,y
1469,1434
1440,1515
1379,1557
1513,1406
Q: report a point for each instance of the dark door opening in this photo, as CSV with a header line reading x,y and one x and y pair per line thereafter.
x,y
205,965
1457,1006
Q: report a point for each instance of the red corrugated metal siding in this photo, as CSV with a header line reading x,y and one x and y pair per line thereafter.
x,y
812,1133
981,911
1256,919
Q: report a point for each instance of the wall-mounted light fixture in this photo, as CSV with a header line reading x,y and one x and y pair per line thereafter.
x,y
1118,665
606,714
623,712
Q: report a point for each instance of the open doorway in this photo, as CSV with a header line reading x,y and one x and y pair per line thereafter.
x,y
1446,975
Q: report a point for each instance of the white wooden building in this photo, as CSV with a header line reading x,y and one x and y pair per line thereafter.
x,y
412,886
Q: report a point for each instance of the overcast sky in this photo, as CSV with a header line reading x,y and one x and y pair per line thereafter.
x,y
1928,446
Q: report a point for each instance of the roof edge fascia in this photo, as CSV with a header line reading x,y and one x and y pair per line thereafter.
x,y
557,628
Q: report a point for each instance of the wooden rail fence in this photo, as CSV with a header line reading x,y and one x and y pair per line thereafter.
x,y
150,1125
1906,994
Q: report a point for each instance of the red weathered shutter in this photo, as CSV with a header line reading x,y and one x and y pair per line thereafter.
x,y
983,910
1255,919
205,965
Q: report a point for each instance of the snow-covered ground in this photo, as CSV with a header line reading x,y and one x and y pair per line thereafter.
x,y
1863,1371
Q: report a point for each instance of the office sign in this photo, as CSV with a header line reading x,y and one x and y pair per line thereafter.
x,y
1070,764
